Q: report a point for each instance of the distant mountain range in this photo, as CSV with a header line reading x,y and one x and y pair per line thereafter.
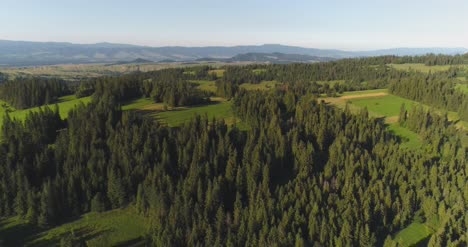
x,y
275,57
25,53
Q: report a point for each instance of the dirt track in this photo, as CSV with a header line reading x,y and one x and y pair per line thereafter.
x,y
358,96
342,100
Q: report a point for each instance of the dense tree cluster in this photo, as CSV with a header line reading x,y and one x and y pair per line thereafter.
x,y
304,174
169,86
357,75
29,92
433,90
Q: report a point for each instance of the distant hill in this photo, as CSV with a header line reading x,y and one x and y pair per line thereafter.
x,y
136,61
25,53
275,57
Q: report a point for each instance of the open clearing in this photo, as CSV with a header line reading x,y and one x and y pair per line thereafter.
x,y
74,72
380,104
65,104
462,87
218,72
219,108
413,234
110,228
204,85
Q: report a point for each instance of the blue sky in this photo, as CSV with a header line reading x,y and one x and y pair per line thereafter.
x,y
349,25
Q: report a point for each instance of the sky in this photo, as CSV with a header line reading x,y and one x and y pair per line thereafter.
x,y
326,24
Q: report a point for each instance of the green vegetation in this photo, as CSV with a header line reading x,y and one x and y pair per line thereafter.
x,y
218,72
332,82
259,71
137,104
380,104
73,72
173,117
420,67
220,110
115,227
462,87
264,85
65,104
364,92
413,234
304,173
410,139
206,85
387,106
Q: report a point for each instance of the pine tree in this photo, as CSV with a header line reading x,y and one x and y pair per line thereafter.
x,y
47,210
31,214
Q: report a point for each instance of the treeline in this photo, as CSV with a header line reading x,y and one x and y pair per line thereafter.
x,y
434,90
29,92
306,174
428,59
169,86
353,72
432,59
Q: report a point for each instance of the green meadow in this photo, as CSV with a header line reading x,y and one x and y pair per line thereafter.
x,y
205,85
413,234
218,110
218,72
119,227
462,87
387,106
173,117
65,104
380,104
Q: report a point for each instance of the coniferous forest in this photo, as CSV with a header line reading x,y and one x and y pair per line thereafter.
x,y
305,173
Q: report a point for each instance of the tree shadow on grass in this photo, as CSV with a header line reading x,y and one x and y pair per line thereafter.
x,y
78,237
176,109
17,235
136,242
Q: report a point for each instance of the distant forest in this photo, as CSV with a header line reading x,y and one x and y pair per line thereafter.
x,y
305,173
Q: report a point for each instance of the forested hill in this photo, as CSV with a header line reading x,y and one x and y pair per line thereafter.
x,y
302,173
23,53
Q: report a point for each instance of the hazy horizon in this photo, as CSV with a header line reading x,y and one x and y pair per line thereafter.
x,y
234,45
351,26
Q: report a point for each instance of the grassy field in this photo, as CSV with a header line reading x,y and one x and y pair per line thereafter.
x,y
78,71
218,72
259,71
173,117
380,104
410,139
204,85
111,228
413,234
264,85
218,110
137,104
462,87
383,106
65,104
